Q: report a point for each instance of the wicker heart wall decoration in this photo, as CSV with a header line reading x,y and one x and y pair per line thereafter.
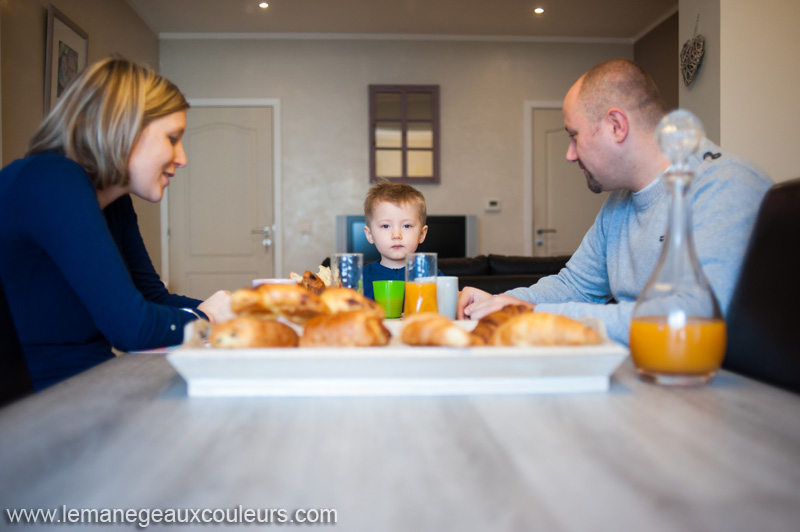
x,y
691,55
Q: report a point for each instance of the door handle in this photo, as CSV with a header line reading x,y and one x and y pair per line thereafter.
x,y
266,233
543,230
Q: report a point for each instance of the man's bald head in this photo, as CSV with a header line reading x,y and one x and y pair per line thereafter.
x,y
624,84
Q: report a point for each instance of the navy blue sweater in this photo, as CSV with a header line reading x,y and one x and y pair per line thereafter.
x,y
78,279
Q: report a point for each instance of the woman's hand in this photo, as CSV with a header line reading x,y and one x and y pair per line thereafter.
x,y
218,307
474,304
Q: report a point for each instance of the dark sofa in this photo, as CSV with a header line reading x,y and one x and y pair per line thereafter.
x,y
497,273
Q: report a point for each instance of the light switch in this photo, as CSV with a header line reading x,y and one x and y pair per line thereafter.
x,y
305,226
493,205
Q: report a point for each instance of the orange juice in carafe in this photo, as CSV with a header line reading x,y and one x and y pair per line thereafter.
x,y
694,349
677,334
420,297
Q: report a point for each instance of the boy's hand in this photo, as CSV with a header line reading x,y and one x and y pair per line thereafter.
x,y
474,304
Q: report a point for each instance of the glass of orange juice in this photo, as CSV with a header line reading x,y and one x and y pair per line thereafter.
x,y
420,283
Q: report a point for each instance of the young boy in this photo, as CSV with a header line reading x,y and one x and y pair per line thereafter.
x,y
395,217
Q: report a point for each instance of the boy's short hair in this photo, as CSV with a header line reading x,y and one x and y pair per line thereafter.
x,y
396,194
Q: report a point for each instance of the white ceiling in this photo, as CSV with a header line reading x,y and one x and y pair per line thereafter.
x,y
611,19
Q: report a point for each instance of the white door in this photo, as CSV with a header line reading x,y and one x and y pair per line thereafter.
x,y
563,206
221,204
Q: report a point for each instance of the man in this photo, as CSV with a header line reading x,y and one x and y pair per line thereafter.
x,y
610,114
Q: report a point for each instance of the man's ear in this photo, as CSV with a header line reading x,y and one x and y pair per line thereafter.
x,y
618,120
368,234
423,234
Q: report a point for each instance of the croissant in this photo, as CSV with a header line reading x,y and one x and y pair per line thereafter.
x,y
347,329
539,328
482,333
429,328
251,332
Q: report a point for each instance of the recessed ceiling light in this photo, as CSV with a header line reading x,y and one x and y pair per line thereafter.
x,y
538,10
263,5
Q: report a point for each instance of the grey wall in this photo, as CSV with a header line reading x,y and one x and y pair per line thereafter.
x,y
322,86
702,96
656,53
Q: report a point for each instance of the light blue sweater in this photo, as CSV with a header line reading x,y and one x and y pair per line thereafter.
x,y
620,251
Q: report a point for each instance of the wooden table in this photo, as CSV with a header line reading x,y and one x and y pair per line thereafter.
x,y
641,458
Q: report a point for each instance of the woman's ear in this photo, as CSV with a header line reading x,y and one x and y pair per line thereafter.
x,y
618,120
368,234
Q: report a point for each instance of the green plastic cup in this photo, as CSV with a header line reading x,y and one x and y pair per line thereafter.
x,y
389,295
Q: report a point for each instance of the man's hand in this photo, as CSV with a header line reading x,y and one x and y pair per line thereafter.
x,y
474,304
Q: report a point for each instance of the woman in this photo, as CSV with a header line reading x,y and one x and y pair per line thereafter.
x,y
77,275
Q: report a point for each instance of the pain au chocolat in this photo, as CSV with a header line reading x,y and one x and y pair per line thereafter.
x,y
270,301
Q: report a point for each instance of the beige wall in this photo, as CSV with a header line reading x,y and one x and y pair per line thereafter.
x,y
745,94
322,85
760,84
655,52
746,90
113,28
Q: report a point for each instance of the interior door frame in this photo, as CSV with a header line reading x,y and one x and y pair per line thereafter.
x,y
527,168
277,213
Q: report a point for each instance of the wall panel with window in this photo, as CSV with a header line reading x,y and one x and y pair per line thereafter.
x,y
404,133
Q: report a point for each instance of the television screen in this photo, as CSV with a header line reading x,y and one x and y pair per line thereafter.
x,y
448,236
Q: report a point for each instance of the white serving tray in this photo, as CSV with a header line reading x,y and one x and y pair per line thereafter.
x,y
395,369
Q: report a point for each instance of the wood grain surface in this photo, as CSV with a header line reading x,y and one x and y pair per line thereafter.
x,y
723,457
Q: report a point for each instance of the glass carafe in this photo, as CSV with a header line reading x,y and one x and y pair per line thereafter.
x,y
678,334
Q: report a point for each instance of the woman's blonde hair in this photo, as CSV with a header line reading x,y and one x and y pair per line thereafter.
x,y
99,118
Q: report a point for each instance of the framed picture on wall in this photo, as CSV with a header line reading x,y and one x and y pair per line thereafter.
x,y
66,55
